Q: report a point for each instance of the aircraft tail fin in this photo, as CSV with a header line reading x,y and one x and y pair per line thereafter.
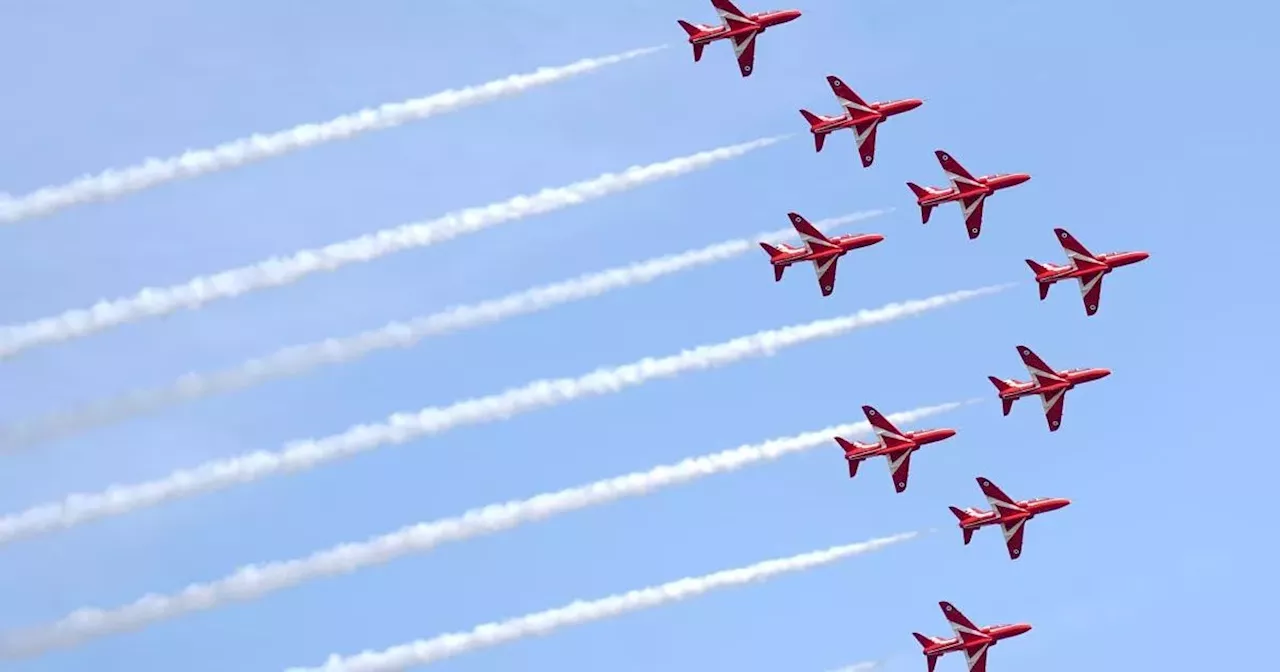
x,y
926,642
814,120
693,32
962,517
1006,405
774,253
921,192
1040,271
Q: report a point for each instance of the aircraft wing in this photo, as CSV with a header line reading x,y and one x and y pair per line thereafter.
x,y
976,656
813,239
962,179
744,46
1013,537
969,634
826,269
1001,503
972,208
1041,374
865,132
890,436
847,98
1091,291
900,468
733,17
1053,407
1079,256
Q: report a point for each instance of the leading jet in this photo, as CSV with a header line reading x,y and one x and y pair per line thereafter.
x,y
1086,267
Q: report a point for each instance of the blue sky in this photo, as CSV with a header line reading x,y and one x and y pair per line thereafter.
x,y
1141,122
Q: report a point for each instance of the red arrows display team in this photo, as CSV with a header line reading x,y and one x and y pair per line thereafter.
x,y
1086,267
965,189
894,444
861,116
738,26
824,252
975,641
1009,514
1052,386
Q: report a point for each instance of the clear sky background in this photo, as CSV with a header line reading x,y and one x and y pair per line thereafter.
x,y
1146,125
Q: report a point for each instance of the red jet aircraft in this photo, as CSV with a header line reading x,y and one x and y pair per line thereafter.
x,y
1051,385
895,445
1086,267
861,116
824,252
971,639
738,26
970,191
1009,514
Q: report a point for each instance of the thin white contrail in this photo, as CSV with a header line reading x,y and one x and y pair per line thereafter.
x,y
306,454
452,644
276,272
255,581
299,359
116,182
859,667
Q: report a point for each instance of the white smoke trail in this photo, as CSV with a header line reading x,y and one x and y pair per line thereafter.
x,y
116,182
298,359
859,667
452,644
255,581
276,272
116,500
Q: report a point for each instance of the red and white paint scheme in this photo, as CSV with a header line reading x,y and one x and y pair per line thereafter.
x,y
894,445
861,116
1010,514
738,26
824,252
1086,267
1051,385
971,192
975,641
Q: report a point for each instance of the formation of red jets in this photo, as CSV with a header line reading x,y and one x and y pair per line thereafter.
x,y
896,446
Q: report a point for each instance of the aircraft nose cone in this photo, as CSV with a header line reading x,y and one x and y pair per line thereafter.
x,y
1019,179
944,434
1141,256
1103,373
908,105
873,238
